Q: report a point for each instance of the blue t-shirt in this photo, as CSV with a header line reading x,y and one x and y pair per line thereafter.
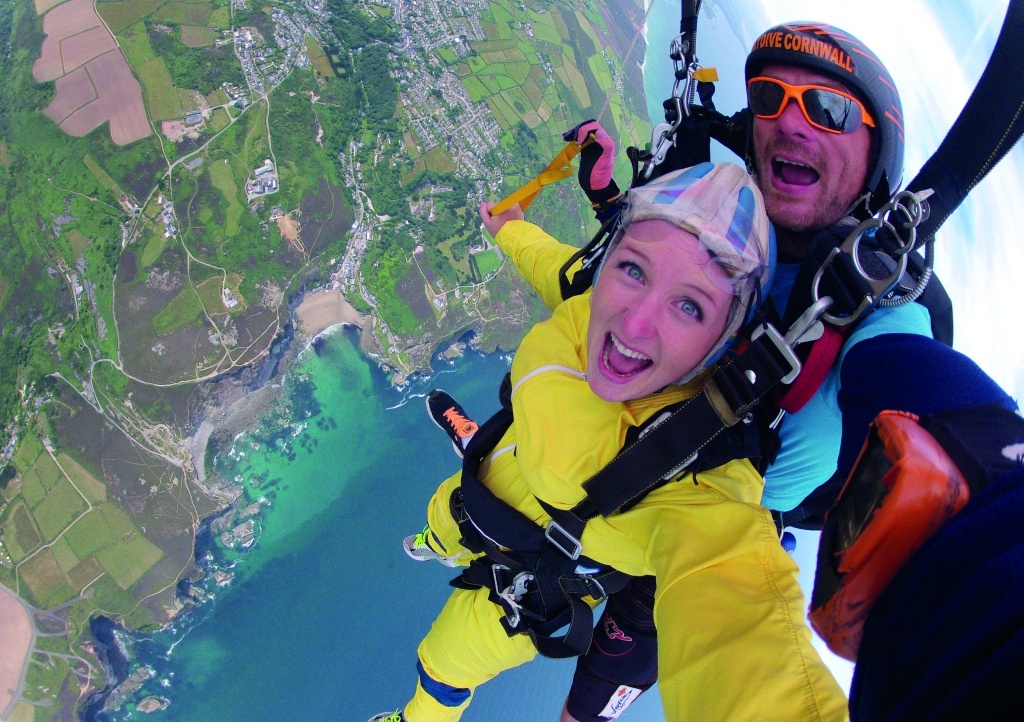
x,y
811,437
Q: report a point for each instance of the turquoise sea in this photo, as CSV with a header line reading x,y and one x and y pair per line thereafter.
x,y
325,610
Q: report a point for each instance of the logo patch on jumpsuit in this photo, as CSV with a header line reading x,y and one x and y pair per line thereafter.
x,y
622,698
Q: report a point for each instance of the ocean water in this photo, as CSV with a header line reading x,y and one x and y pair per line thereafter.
x,y
324,613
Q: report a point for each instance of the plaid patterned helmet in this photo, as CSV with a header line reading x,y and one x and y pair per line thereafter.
x,y
720,204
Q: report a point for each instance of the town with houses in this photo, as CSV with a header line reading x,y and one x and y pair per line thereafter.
x,y
437,103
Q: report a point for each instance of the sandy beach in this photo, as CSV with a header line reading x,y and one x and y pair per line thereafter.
x,y
15,641
322,309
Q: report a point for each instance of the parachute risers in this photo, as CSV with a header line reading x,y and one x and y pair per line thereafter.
x,y
903,487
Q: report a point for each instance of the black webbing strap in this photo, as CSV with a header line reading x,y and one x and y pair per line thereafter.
x,y
543,562
590,255
989,125
725,400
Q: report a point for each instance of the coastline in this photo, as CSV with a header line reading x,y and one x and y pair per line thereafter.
x,y
239,400
323,309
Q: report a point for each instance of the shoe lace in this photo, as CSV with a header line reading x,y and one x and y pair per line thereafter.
x,y
421,540
462,425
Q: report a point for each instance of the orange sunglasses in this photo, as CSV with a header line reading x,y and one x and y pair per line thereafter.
x,y
827,109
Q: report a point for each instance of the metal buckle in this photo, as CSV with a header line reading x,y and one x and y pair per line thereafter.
x,y
496,569
879,287
591,580
572,549
780,343
910,209
512,593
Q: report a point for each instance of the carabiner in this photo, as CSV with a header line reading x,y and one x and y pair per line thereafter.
x,y
912,209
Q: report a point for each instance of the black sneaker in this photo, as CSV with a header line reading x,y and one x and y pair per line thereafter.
x,y
449,416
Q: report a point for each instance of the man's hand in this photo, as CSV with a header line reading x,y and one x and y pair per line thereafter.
x,y
493,224
596,161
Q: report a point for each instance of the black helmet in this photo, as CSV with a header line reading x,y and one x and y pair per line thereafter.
x,y
826,49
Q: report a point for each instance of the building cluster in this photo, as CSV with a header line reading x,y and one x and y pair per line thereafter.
x,y
440,110
130,205
236,96
263,65
264,182
168,216
467,138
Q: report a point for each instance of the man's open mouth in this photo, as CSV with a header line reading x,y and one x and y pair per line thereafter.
x,y
793,172
621,361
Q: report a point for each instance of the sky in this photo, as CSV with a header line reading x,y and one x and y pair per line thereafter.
x,y
935,53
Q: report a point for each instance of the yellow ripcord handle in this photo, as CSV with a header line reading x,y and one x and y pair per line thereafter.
x,y
559,168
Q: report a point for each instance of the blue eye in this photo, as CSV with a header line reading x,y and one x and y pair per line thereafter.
x,y
690,308
632,270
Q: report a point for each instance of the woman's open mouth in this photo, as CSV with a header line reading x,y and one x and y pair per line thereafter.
x,y
621,362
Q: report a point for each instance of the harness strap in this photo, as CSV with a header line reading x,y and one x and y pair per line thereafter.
x,y
537,576
819,362
590,255
672,445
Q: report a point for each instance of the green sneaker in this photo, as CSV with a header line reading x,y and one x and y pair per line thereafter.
x,y
416,547
395,716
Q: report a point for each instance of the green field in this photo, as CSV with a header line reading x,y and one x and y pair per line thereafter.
x,y
184,13
599,68
63,555
219,120
43,577
449,56
220,18
223,178
154,247
475,87
89,534
20,534
319,58
120,14
195,36
544,28
185,308
60,507
93,489
101,176
209,292
487,262
161,95
134,41
439,161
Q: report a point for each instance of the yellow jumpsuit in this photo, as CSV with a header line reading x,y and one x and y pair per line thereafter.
x,y
733,643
